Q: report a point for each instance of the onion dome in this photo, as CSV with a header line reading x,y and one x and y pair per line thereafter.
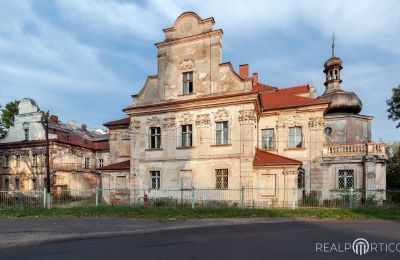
x,y
341,101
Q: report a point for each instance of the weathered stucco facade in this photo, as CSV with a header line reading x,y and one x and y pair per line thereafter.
x,y
198,123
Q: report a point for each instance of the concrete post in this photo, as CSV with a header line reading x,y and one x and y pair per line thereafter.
x,y
294,197
48,200
44,197
351,198
97,196
193,202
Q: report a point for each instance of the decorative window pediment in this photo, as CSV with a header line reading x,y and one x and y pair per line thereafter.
x,y
221,115
247,117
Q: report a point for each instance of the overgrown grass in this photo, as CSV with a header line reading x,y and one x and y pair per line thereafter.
x,y
183,213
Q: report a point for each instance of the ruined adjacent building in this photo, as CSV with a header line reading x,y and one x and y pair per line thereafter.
x,y
75,153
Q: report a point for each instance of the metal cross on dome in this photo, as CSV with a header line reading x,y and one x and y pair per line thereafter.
x,y
333,44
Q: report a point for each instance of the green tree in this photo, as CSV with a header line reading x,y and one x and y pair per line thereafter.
x,y
394,105
393,167
8,114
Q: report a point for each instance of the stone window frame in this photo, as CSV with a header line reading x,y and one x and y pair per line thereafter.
x,y
190,83
17,183
227,132
222,179
6,161
155,179
100,162
157,141
273,146
17,160
186,133
86,162
338,176
302,144
34,159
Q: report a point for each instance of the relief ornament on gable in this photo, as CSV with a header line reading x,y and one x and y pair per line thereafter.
x,y
186,65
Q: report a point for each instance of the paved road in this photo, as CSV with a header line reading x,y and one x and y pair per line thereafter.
x,y
279,240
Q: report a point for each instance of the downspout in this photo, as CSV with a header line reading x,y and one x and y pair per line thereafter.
x,y
364,188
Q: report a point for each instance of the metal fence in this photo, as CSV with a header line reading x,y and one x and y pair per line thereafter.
x,y
204,198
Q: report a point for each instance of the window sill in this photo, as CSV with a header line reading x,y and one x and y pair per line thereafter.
x,y
295,149
153,149
187,95
269,149
217,145
185,147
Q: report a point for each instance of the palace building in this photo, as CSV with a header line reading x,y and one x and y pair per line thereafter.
x,y
200,123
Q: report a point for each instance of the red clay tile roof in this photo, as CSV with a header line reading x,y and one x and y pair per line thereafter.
x,y
125,165
123,121
72,138
263,158
295,90
263,87
280,100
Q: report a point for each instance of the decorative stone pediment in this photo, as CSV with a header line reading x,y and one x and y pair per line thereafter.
x,y
289,121
203,120
221,114
316,123
186,118
186,65
153,121
247,117
169,123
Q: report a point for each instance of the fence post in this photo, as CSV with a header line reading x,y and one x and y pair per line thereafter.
x,y
192,197
294,198
48,200
44,198
351,198
241,197
97,196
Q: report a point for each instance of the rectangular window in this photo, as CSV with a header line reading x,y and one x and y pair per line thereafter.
x,y
267,139
6,161
17,184
6,184
26,132
155,180
186,135
346,179
87,162
295,137
34,184
187,83
34,160
221,132
17,160
221,179
155,137
101,163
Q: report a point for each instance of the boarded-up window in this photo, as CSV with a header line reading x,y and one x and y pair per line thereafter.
x,y
121,182
268,184
186,179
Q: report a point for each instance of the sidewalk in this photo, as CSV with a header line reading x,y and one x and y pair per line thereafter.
x,y
27,231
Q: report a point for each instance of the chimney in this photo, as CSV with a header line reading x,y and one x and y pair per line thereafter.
x,y
54,118
255,78
244,71
84,127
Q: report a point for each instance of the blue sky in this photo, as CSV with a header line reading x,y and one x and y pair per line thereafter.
x,y
83,59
